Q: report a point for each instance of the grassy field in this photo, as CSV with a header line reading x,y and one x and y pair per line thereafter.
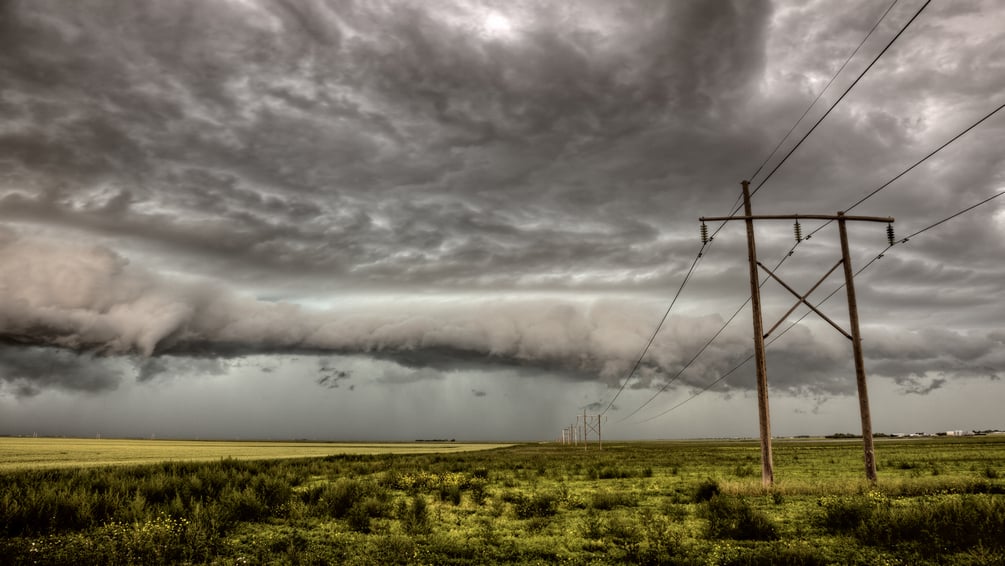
x,y
19,453
938,501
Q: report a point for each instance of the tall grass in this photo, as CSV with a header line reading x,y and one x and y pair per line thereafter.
x,y
681,503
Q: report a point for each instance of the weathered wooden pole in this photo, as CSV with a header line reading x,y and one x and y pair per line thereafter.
x,y
856,345
763,409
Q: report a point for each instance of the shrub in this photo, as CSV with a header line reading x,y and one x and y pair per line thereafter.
x,y
479,493
606,500
241,505
336,499
734,518
845,514
706,490
415,516
451,493
536,505
609,473
358,518
960,523
272,491
744,471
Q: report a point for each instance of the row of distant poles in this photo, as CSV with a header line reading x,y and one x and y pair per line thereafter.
x,y
580,432
853,334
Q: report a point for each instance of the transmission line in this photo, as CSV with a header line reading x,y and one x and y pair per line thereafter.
x,y
838,101
919,162
698,257
890,181
656,331
792,249
798,242
821,93
734,208
686,366
825,299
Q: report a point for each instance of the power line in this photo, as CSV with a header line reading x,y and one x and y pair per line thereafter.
x,y
656,331
686,366
734,208
798,242
824,300
698,257
791,250
891,181
919,162
821,93
645,350
838,101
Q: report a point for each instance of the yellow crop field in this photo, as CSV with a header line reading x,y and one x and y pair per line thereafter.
x,y
23,453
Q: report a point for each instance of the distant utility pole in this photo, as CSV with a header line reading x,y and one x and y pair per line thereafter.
x,y
591,424
767,467
572,429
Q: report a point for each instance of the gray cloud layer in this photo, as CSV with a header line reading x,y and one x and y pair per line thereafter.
x,y
464,184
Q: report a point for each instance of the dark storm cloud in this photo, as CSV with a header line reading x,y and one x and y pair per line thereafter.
x,y
461,153
384,143
27,371
167,367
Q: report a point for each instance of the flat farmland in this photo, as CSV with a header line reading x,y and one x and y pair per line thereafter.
x,y
25,453
938,501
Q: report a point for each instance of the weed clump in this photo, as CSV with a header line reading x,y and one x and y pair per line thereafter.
x,y
606,500
963,522
706,490
734,518
414,515
846,514
535,505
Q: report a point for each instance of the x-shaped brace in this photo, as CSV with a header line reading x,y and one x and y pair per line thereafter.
x,y
802,300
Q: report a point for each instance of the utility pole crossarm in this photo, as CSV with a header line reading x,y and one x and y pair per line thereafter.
x,y
838,216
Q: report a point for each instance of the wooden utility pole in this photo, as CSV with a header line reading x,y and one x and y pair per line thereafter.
x,y
763,408
591,423
767,467
856,345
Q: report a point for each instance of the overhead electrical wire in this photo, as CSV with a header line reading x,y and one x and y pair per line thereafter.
x,y
905,171
822,91
652,337
792,250
734,209
888,183
686,366
825,299
840,98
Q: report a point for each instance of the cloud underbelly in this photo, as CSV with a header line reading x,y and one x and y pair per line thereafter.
x,y
90,299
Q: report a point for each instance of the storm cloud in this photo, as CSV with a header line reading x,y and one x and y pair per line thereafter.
x,y
411,193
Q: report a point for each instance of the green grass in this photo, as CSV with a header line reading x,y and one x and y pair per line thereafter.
x,y
938,501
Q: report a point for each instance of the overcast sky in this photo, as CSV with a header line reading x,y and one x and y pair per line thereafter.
x,y
464,219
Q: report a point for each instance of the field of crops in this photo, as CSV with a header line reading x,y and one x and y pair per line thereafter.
x,y
938,501
16,453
